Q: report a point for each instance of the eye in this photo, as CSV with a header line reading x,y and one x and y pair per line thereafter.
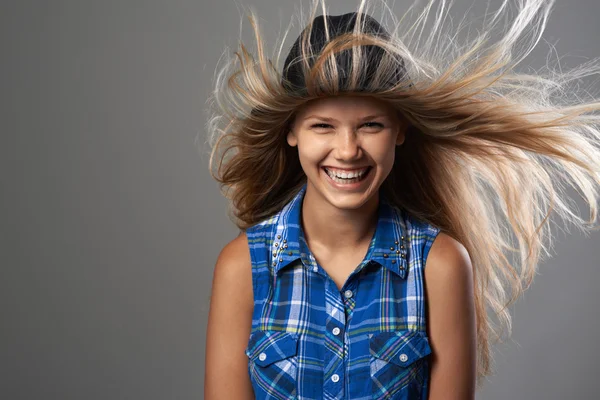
x,y
373,124
324,126
370,124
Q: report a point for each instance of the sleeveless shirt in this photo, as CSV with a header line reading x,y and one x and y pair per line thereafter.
x,y
310,340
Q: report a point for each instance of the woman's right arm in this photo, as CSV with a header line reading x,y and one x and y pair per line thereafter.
x,y
229,324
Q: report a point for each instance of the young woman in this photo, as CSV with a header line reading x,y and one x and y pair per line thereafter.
x,y
393,192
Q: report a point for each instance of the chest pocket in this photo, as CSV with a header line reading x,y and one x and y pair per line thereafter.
x,y
398,364
273,364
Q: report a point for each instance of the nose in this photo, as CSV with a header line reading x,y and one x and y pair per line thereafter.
x,y
347,145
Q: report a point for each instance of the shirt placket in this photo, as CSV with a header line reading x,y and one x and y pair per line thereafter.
x,y
335,349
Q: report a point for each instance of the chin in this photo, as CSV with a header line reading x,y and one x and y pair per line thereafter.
x,y
348,201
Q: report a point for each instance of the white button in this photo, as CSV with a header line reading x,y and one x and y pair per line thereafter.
x,y
335,377
262,356
336,331
315,268
348,293
403,357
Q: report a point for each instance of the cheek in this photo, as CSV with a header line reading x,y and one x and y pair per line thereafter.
x,y
311,150
387,163
383,152
310,156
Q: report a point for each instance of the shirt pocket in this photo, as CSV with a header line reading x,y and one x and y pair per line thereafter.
x,y
273,364
398,363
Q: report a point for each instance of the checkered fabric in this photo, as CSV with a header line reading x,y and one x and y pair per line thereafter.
x,y
310,340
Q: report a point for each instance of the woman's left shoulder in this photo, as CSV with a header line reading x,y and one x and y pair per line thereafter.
x,y
448,258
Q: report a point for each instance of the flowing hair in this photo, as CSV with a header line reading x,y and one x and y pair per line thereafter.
x,y
489,154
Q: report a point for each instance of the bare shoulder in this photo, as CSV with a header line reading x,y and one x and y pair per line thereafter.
x,y
236,251
448,258
233,269
235,254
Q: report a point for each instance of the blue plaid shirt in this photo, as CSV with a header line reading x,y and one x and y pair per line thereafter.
x,y
310,340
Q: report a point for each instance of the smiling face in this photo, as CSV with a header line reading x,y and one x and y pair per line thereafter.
x,y
346,146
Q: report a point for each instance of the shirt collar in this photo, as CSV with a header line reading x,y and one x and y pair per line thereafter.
x,y
390,248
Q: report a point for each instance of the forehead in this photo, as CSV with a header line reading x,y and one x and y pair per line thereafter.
x,y
349,106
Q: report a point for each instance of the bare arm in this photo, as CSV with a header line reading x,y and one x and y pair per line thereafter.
x,y
451,320
229,324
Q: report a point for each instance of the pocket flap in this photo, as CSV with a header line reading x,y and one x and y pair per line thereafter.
x,y
266,347
399,347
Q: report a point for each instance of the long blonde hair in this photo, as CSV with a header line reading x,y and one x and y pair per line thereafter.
x,y
487,158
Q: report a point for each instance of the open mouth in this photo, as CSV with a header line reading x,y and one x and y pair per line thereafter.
x,y
345,177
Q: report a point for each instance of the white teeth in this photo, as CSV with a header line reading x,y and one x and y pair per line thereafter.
x,y
346,175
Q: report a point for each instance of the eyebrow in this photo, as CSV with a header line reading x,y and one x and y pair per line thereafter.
x,y
328,119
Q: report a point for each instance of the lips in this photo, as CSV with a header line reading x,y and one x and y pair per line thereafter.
x,y
348,182
345,171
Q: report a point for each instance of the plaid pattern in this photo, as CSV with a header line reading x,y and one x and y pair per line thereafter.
x,y
310,340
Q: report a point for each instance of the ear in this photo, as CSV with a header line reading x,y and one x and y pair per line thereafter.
x,y
291,137
402,128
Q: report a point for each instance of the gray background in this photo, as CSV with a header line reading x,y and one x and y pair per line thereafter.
x,y
110,224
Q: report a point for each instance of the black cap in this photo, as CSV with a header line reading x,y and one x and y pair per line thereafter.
x,y
293,77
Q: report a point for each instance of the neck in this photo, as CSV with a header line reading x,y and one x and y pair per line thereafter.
x,y
334,229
